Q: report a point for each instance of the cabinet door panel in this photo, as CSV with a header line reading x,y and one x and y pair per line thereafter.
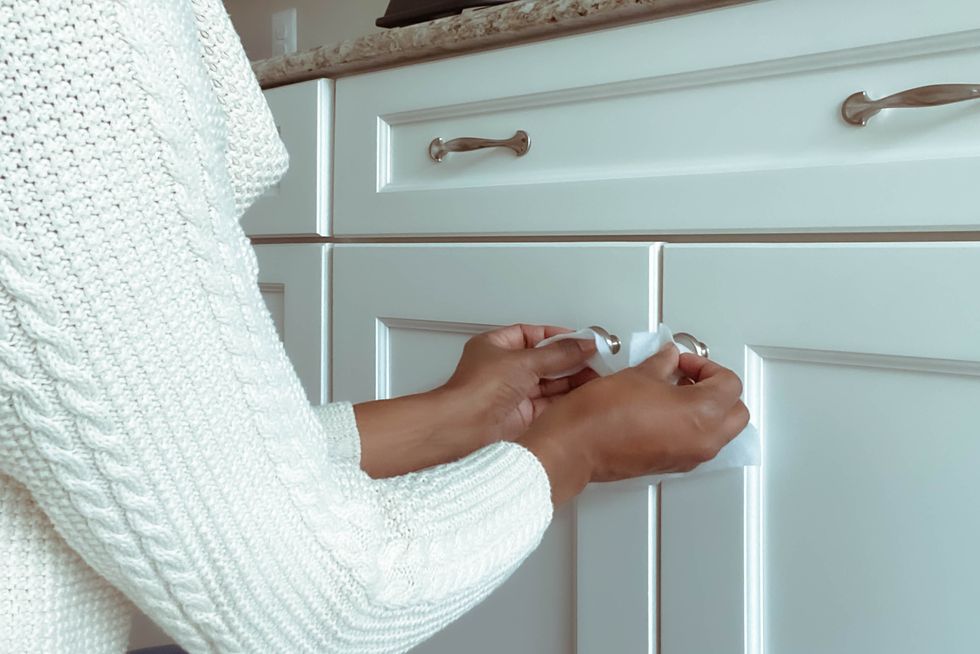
x,y
402,314
293,282
862,368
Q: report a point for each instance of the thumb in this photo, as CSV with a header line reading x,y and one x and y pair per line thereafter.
x,y
560,356
663,364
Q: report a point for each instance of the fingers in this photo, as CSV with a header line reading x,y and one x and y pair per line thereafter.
x,y
553,387
510,337
558,357
550,330
722,384
663,364
698,368
521,336
735,421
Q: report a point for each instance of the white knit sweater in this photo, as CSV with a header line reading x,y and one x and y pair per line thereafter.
x,y
147,406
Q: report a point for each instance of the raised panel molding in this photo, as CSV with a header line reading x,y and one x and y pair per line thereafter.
x,y
757,357
391,180
384,327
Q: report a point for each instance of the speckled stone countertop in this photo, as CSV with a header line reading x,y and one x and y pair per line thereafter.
x,y
475,29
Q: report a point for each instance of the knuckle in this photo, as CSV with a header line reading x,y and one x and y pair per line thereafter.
x,y
705,416
737,386
706,451
743,414
688,466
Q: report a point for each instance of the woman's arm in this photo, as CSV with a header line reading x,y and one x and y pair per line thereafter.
x,y
497,390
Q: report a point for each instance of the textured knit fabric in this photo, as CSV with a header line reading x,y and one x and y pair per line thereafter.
x,y
146,403
50,601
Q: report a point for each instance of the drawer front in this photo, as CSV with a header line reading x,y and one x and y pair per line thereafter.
x,y
294,284
401,317
299,204
746,137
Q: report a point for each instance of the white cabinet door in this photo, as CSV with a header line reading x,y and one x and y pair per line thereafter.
x,y
293,281
299,204
859,533
401,316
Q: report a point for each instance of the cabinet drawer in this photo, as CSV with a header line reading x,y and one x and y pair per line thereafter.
x,y
743,136
299,204
294,283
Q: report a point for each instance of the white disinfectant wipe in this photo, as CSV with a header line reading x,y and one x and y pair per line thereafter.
x,y
744,450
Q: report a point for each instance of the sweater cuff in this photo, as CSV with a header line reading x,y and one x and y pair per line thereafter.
x,y
340,431
459,527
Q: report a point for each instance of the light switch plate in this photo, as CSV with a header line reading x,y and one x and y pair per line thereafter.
x,y
284,31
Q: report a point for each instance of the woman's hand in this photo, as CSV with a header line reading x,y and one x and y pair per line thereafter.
x,y
637,422
500,378
495,393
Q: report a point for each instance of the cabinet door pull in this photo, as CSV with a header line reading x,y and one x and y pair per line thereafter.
x,y
692,343
611,339
520,143
858,108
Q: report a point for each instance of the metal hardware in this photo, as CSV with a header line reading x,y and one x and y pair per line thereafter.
x,y
611,339
520,143
691,343
858,108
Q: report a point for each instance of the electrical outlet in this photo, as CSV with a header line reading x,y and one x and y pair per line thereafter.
x,y
284,31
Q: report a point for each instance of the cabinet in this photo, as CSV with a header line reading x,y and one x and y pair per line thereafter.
x,y
860,372
720,122
852,325
401,316
294,281
861,368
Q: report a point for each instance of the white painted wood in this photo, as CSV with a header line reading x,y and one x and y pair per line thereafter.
x,y
299,205
857,534
401,316
616,575
294,282
644,129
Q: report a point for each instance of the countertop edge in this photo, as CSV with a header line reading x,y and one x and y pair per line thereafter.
x,y
495,27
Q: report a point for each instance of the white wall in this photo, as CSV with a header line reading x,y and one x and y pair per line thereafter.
x,y
319,22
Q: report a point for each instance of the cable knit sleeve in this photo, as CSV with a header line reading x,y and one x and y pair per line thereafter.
x,y
154,416
444,527
50,601
254,154
340,430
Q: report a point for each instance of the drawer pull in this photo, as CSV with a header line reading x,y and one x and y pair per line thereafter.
x,y
520,143
858,108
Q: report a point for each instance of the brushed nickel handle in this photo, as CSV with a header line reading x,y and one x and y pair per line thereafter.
x,y
692,343
520,143
858,108
611,339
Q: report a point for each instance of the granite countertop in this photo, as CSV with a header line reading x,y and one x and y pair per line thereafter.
x,y
474,29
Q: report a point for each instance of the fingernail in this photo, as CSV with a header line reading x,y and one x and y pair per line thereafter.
x,y
586,345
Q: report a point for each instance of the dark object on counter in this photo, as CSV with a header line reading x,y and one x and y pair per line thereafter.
x,y
409,12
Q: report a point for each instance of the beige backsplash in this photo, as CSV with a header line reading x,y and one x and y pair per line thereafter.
x,y
317,21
